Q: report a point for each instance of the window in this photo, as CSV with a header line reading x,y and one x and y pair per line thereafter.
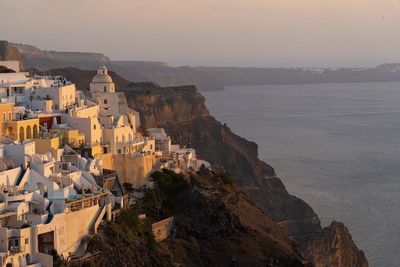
x,y
4,117
26,241
119,151
105,101
105,88
64,167
9,116
94,126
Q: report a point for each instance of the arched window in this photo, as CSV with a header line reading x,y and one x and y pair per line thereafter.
x,y
21,133
28,132
35,131
28,259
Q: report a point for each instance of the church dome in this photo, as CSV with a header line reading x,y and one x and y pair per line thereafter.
x,y
102,76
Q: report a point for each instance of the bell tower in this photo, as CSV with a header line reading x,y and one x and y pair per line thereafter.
x,y
102,83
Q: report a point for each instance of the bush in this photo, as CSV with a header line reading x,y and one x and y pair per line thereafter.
x,y
226,178
129,218
160,200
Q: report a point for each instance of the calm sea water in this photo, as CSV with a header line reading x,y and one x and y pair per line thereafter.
x,y
337,146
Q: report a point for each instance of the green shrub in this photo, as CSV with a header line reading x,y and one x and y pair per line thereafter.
x,y
129,218
159,201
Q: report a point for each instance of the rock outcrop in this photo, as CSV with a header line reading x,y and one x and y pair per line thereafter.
x,y
333,246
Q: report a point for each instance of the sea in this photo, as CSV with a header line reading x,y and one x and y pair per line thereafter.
x,y
336,146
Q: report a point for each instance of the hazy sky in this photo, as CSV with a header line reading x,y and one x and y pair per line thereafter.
x,y
212,32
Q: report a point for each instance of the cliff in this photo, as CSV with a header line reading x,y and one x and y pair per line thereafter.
x,y
334,247
33,57
183,113
9,52
205,78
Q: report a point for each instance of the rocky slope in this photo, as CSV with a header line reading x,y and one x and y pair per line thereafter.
x,y
183,113
215,225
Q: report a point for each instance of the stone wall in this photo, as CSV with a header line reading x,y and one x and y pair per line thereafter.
x,y
162,229
130,169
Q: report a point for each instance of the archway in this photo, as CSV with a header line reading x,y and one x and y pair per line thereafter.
x,y
28,132
35,131
21,133
28,259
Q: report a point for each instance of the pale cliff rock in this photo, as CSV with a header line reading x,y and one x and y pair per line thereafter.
x,y
333,246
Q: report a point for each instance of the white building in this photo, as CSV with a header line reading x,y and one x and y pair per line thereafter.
x,y
85,119
21,153
162,140
102,83
62,96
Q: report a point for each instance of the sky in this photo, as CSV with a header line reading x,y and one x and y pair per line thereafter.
x,y
260,33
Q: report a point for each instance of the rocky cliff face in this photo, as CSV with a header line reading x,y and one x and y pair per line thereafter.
x,y
9,52
334,247
183,113
32,57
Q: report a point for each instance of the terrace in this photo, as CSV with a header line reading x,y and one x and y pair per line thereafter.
x,y
86,200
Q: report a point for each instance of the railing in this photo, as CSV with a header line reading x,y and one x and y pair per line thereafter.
x,y
100,217
85,202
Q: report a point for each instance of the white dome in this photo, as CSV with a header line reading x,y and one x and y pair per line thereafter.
x,y
102,76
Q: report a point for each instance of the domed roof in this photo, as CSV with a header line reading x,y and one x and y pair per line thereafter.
x,y
102,76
